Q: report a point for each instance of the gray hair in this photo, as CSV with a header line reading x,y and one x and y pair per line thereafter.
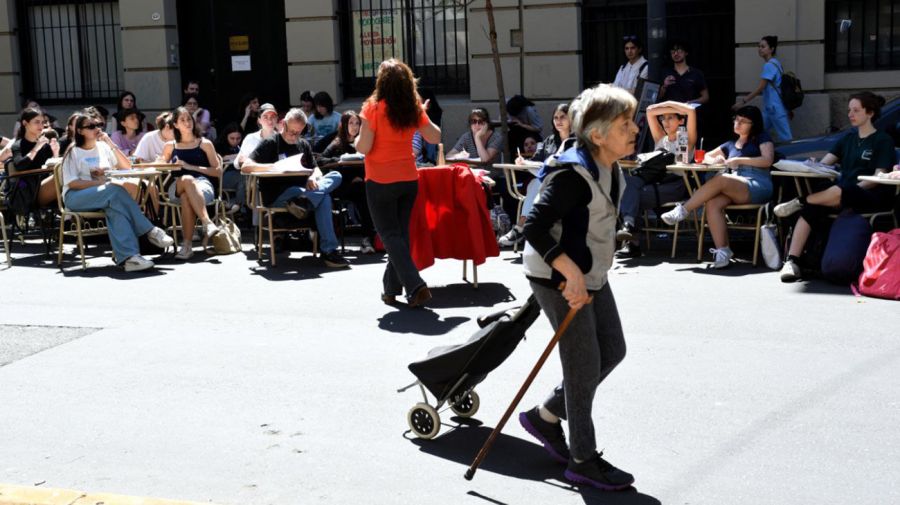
x,y
596,109
296,114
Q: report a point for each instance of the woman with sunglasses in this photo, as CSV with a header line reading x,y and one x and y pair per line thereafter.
x,y
85,188
749,157
481,141
194,183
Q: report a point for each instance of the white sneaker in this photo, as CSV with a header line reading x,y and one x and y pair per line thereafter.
x,y
211,229
158,237
722,257
366,246
185,252
675,215
137,263
790,272
513,237
787,208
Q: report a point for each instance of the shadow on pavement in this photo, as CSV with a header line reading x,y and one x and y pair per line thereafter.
x,y
487,294
822,287
520,459
419,321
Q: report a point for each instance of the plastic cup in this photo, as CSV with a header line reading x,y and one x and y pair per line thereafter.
x,y
699,154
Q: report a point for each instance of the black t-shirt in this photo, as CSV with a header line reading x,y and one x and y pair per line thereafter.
x,y
273,149
20,160
687,86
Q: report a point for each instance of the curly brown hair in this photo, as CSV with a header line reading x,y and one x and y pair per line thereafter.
x,y
396,85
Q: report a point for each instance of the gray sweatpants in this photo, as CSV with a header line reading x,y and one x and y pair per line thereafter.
x,y
589,350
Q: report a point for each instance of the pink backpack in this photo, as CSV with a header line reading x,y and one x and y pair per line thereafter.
x,y
881,268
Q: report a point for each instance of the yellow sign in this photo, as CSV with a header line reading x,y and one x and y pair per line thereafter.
x,y
239,43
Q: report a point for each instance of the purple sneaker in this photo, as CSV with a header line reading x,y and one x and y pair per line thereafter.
x,y
550,435
599,473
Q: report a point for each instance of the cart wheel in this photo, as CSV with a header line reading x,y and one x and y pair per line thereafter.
x,y
423,421
466,406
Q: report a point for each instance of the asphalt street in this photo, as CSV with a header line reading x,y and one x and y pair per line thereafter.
x,y
222,381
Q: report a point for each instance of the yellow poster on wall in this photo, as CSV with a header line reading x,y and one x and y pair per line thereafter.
x,y
377,36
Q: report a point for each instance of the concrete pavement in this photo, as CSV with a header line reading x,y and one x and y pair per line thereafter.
x,y
226,382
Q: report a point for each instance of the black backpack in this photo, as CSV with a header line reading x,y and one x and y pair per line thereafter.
x,y
791,91
652,168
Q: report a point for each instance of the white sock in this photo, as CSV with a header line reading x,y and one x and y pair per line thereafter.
x,y
547,416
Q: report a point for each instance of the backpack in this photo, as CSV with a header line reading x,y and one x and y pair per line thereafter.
x,y
845,250
791,92
652,168
881,268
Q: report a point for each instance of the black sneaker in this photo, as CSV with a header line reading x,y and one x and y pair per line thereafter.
x,y
297,209
625,233
333,259
550,435
629,250
599,473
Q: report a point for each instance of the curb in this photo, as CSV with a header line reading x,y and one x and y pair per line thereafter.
x,y
27,495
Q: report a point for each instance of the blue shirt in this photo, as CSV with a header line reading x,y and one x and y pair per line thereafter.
x,y
771,72
749,150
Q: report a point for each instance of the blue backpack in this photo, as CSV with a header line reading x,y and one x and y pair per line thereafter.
x,y
842,261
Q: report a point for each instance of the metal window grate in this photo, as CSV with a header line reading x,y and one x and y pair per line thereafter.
x,y
862,35
71,50
429,35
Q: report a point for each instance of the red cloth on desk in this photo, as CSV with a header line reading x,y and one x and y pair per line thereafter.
x,y
450,218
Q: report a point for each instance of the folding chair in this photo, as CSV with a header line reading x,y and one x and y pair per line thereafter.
x,y
265,221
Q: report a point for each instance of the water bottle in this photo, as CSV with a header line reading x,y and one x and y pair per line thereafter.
x,y
682,145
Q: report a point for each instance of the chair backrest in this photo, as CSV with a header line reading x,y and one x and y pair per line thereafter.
x,y
58,184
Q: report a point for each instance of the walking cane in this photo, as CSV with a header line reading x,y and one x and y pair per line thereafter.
x,y
512,406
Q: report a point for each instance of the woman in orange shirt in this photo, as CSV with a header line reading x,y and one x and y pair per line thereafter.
x,y
390,118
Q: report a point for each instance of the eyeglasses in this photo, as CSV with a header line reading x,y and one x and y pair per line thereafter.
x,y
91,126
293,133
477,121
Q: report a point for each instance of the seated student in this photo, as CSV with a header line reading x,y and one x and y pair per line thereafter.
x,y
284,191
865,151
324,120
268,121
128,130
750,157
353,187
524,120
562,131
86,189
127,101
196,183
228,145
68,134
28,103
151,145
30,151
201,116
481,141
250,112
664,119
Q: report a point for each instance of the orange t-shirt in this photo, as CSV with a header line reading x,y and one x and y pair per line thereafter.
x,y
391,158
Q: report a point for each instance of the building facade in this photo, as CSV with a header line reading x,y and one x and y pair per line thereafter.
x,y
63,53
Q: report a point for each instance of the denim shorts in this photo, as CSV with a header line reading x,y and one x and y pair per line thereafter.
x,y
759,182
203,185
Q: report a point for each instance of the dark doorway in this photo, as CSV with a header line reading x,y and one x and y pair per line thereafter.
x,y
707,26
213,34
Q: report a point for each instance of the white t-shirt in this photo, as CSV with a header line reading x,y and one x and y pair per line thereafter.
x,y
629,73
247,147
79,162
150,146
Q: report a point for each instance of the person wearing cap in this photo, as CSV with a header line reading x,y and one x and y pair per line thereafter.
x,y
267,120
635,67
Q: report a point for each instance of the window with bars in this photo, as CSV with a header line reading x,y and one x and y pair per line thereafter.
x,y
429,35
862,35
71,50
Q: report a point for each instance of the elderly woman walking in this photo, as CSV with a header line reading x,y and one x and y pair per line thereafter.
x,y
571,234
